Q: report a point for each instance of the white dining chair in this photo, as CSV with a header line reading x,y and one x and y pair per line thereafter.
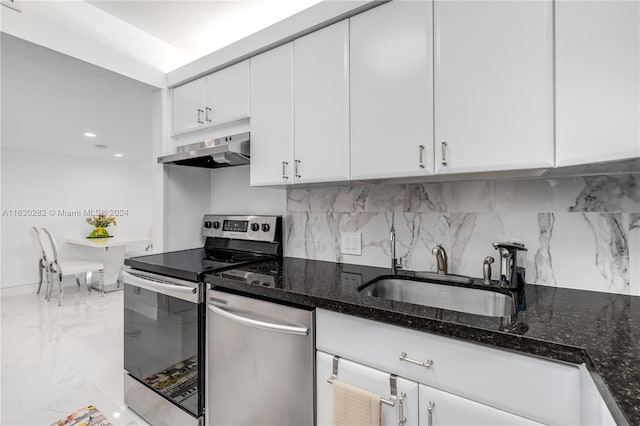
x,y
43,264
58,268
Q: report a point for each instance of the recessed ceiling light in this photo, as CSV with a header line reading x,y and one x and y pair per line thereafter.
x,y
90,135
118,155
100,146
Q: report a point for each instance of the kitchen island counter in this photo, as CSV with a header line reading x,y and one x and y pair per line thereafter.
x,y
600,330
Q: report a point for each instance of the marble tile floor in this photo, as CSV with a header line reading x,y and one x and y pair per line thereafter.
x,y
57,359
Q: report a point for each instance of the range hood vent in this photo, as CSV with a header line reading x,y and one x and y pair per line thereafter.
x,y
227,151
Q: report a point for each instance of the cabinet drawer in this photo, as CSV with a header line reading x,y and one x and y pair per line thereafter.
x,y
366,378
512,382
448,409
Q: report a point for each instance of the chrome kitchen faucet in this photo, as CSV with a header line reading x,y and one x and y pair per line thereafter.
x,y
395,262
441,259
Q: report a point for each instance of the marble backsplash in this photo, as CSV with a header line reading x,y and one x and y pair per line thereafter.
x,y
580,232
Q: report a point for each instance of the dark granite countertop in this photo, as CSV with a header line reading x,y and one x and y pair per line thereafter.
x,y
601,330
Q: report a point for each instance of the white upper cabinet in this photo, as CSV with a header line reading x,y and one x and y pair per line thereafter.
x,y
272,117
392,91
216,99
228,94
189,101
493,85
321,105
597,81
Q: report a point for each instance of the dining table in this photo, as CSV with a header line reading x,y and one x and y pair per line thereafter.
x,y
114,253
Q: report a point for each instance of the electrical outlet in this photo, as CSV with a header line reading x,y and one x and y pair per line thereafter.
x,y
351,243
351,280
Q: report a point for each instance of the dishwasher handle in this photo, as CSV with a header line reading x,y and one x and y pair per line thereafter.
x,y
289,329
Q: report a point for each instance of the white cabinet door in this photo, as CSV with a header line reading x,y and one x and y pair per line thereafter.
x,y
442,408
272,117
391,82
189,101
597,81
321,107
228,94
493,85
369,379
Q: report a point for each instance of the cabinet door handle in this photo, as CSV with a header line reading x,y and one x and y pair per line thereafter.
x,y
421,156
430,408
444,153
284,171
402,420
296,169
427,364
206,114
200,116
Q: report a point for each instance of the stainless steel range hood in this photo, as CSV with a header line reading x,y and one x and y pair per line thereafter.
x,y
222,152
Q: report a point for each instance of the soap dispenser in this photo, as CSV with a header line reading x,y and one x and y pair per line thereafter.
x,y
512,264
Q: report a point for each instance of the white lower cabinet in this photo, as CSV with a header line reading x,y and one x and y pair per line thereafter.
x,y
439,408
467,383
369,379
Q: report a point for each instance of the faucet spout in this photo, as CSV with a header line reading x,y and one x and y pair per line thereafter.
x,y
395,262
441,259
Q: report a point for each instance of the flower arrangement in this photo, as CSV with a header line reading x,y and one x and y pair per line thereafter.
x,y
101,222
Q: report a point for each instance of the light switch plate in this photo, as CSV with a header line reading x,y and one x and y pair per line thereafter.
x,y
351,280
351,243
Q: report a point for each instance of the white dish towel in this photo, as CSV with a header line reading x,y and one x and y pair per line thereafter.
x,y
353,406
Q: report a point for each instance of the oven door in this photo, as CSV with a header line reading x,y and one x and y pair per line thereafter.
x,y
164,339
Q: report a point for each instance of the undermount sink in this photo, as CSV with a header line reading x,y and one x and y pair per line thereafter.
x,y
488,301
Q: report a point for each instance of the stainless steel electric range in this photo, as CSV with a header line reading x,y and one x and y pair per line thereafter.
x,y
164,315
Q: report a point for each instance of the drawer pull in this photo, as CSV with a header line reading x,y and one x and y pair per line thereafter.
x,y
430,408
402,420
428,364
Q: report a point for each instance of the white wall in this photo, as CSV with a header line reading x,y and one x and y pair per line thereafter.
x,y
35,180
187,200
231,194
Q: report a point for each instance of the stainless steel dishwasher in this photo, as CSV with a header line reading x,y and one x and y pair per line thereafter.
x,y
260,362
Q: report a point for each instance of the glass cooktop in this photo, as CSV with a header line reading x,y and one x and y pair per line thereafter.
x,y
191,265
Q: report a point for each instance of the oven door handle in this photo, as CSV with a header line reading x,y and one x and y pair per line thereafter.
x,y
289,329
152,284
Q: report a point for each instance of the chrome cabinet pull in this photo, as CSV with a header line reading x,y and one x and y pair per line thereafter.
x,y
444,153
421,156
206,114
402,420
281,328
200,116
427,364
430,408
284,172
296,169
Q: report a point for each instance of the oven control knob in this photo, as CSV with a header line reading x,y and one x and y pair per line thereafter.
x,y
255,227
207,224
216,225
265,227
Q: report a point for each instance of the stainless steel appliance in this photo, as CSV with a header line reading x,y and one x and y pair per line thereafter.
x,y
164,315
210,154
260,362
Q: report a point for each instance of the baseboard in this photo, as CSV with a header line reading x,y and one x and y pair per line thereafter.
x,y
20,289
31,288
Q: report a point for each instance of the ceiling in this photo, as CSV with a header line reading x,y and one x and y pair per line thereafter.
x,y
143,40
201,27
49,100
